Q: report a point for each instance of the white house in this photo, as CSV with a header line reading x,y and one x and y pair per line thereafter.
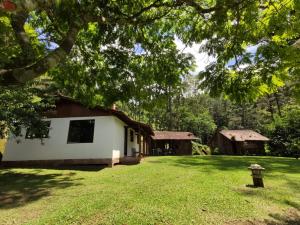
x,y
80,135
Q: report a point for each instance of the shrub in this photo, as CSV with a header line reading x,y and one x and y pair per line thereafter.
x,y
285,133
200,149
2,145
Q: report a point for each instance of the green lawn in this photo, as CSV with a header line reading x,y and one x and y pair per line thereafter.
x,y
160,190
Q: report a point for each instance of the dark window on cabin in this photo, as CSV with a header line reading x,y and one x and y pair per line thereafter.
x,y
32,133
81,131
131,136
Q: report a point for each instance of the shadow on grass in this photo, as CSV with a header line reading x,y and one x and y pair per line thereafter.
x,y
225,163
276,169
85,167
292,217
80,168
20,188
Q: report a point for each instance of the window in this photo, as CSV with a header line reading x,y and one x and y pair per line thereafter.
x,y
38,132
131,136
81,131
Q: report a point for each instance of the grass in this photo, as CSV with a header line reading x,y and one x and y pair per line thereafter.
x,y
161,190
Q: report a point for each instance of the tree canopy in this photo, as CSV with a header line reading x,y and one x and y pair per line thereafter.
x,y
107,51
38,35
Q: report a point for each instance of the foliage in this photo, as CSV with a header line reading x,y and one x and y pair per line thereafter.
x,y
39,35
252,44
101,52
285,132
121,74
101,35
2,145
200,123
96,52
171,110
23,107
199,149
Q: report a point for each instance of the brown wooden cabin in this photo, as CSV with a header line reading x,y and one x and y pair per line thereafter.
x,y
172,143
239,142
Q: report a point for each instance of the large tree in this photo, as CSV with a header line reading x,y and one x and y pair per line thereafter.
x,y
59,23
104,51
228,28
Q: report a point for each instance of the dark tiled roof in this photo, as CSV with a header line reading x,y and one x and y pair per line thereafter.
x,y
243,135
98,111
173,135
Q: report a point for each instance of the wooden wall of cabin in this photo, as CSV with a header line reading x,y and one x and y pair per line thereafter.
x,y
254,148
184,147
229,147
181,147
225,145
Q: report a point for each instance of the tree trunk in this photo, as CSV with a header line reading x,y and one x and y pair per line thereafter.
x,y
271,110
24,74
243,116
169,109
278,104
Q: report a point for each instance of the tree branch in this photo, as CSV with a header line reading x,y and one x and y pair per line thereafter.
x,y
24,74
196,6
17,23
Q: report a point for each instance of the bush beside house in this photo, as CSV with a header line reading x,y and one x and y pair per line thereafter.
x,y
200,149
2,145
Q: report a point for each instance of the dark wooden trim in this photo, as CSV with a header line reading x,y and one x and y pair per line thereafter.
x,y
125,140
66,107
139,143
143,146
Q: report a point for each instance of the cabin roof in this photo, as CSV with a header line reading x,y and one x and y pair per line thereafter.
x,y
173,135
243,135
65,108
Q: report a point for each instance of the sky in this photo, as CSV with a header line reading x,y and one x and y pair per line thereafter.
x,y
202,59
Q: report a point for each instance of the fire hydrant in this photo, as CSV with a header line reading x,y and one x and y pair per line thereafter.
x,y
257,175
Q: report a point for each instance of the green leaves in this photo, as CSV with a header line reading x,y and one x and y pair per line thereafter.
x,y
22,108
285,132
271,26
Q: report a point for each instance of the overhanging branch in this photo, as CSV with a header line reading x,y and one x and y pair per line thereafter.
x,y
24,74
17,23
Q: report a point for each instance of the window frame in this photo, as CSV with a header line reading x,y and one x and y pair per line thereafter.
x,y
93,131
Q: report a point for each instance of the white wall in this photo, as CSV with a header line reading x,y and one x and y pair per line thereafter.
x,y
108,142
119,136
